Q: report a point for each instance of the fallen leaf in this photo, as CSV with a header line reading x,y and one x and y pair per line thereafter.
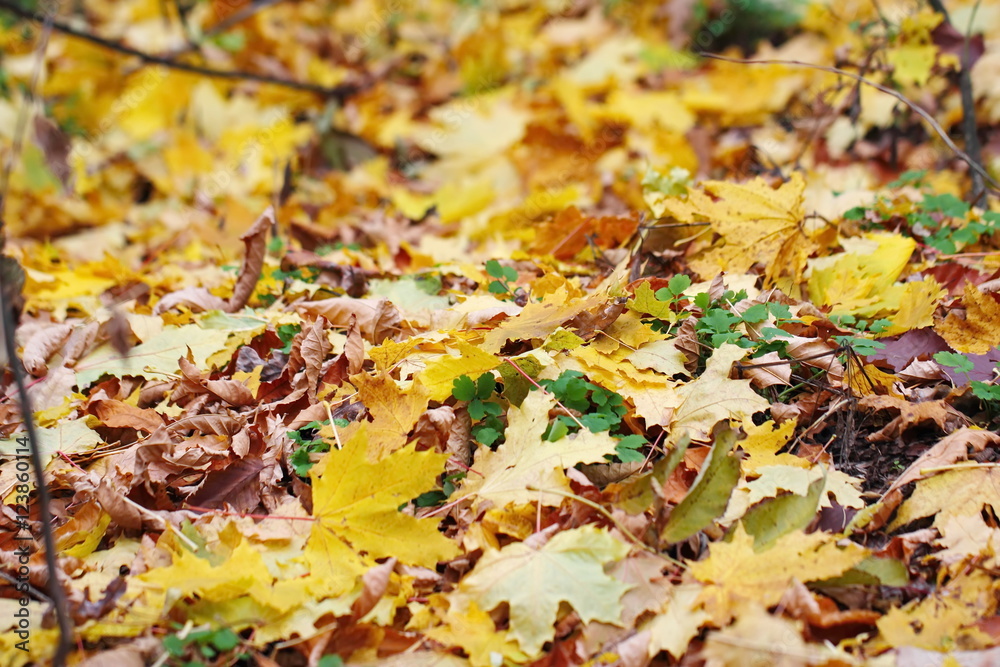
x,y
535,580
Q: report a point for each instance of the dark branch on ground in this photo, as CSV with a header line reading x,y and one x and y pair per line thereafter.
x,y
339,93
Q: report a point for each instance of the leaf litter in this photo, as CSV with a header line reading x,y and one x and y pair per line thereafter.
x,y
552,344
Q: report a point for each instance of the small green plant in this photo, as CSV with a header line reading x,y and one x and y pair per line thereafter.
x,y
440,496
672,295
328,248
988,392
859,343
276,246
959,362
674,291
720,322
190,648
942,221
308,444
504,276
306,274
287,332
477,393
600,410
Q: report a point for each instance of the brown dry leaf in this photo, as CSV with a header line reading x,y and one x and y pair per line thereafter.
x,y
768,370
117,414
309,354
230,391
42,345
374,583
818,354
199,299
255,248
236,486
196,299
377,319
911,415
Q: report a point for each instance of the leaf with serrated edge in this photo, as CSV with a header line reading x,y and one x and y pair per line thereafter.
x,y
568,568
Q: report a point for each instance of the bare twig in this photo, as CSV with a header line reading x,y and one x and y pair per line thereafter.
x,y
969,129
920,111
9,293
340,92
31,589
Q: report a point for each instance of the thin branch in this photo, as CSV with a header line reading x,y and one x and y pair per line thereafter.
x,y
10,289
969,129
42,597
920,111
340,92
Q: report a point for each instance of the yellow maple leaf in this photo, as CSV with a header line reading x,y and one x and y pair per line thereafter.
x,y
243,572
394,411
943,621
978,332
763,443
525,460
538,320
674,628
752,220
714,397
356,506
949,495
912,63
440,374
860,281
534,581
736,572
474,630
917,302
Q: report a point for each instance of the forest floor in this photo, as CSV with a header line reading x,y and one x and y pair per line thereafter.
x,y
577,332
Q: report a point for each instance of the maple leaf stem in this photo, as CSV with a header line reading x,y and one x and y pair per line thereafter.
x,y
457,463
444,508
68,460
607,515
333,425
545,391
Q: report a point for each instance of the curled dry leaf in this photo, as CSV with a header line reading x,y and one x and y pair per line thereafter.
x,y
767,370
377,319
818,354
199,299
43,345
911,415
255,243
